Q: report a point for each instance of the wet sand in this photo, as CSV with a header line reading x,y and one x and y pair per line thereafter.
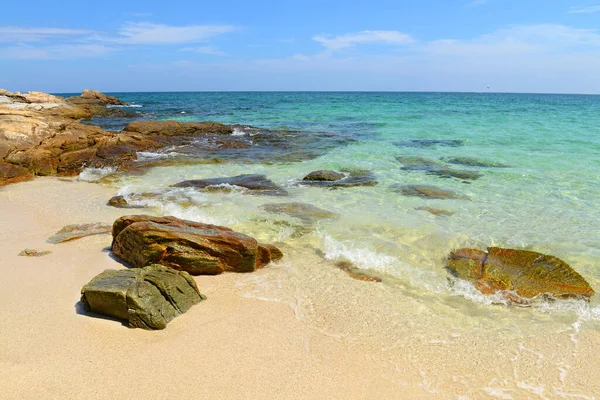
x,y
298,329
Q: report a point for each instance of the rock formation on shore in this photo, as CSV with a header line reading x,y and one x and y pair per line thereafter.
x,y
194,247
41,134
524,273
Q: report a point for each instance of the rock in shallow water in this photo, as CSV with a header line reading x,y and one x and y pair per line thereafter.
x,y
305,212
474,162
526,273
431,167
352,179
147,298
254,183
197,248
428,192
323,175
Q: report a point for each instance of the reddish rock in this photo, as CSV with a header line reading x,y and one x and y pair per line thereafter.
x,y
197,248
526,273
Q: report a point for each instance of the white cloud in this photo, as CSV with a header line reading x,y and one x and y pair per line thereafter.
x,y
584,10
10,34
148,33
352,39
211,50
58,52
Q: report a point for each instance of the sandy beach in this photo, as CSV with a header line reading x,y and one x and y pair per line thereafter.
x,y
293,330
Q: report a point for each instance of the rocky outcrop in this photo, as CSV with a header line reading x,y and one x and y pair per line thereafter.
x,y
94,97
428,192
40,134
77,231
147,298
194,247
253,183
525,273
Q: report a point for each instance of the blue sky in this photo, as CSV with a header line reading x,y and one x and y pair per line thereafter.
x,y
427,45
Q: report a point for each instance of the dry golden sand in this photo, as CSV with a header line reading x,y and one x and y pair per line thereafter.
x,y
298,330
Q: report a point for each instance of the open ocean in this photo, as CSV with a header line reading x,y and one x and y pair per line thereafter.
x,y
540,189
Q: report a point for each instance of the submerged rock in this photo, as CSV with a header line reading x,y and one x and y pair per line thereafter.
x,y
436,211
431,167
428,192
303,211
77,231
474,162
147,298
194,247
525,273
34,253
323,175
351,179
355,273
254,183
428,143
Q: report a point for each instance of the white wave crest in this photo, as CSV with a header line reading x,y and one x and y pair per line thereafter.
x,y
94,174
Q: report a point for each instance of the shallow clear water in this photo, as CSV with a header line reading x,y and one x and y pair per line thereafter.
x,y
546,200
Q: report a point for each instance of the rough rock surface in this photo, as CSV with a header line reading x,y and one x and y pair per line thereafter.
x,y
323,175
197,248
428,192
175,128
118,201
76,231
526,273
254,183
147,298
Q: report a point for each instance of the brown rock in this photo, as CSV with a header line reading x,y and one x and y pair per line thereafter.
x,y
118,201
197,248
323,175
175,128
526,273
34,253
10,173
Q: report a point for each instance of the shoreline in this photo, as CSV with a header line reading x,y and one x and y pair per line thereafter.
x,y
297,329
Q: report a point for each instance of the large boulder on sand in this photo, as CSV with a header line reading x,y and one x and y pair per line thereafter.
x,y
197,248
146,298
526,273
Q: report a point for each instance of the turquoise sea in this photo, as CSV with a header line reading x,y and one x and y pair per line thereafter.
x,y
539,188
